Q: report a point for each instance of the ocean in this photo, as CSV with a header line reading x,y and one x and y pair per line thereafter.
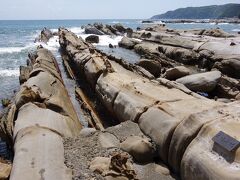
x,y
17,39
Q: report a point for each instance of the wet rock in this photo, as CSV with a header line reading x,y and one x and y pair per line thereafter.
x,y
176,72
45,35
110,46
120,28
92,39
5,102
141,149
147,21
127,43
24,74
152,66
93,30
129,32
202,82
6,131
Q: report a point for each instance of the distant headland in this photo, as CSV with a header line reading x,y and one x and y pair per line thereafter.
x,y
203,12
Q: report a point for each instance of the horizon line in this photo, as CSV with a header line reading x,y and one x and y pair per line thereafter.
x,y
73,19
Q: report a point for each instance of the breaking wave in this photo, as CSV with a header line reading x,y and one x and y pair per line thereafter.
x,y
9,50
9,73
105,40
236,30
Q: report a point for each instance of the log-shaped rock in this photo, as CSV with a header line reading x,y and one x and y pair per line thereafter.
x,y
202,161
44,115
39,154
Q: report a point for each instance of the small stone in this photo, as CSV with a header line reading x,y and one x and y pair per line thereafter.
x,y
86,132
232,44
108,140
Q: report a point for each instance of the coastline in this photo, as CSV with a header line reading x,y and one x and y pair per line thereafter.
x,y
154,117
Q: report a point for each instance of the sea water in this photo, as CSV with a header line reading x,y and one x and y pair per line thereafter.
x,y
17,39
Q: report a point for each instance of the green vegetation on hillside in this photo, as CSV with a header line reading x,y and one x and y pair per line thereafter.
x,y
204,12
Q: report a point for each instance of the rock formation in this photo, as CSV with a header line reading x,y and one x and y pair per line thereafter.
x,y
44,115
159,114
45,35
180,122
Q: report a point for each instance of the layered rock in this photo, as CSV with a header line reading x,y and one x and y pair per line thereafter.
x,y
188,48
203,50
45,115
101,29
161,111
127,43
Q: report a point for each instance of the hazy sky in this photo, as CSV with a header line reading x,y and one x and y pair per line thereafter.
x,y
94,9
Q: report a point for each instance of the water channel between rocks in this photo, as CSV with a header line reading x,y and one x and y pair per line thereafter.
x,y
70,87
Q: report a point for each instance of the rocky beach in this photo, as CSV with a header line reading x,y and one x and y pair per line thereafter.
x,y
150,105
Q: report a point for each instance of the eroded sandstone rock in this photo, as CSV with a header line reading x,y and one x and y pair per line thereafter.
x,y
154,67
141,149
127,43
203,82
176,72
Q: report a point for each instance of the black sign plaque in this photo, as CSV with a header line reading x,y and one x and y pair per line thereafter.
x,y
227,142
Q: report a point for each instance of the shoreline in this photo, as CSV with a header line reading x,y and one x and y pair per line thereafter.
x,y
216,21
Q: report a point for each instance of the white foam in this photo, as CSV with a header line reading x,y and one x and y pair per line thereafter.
x,y
9,50
77,30
52,44
236,30
54,30
190,23
105,40
115,22
223,23
9,73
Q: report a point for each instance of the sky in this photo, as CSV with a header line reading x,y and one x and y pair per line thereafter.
x,y
94,9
